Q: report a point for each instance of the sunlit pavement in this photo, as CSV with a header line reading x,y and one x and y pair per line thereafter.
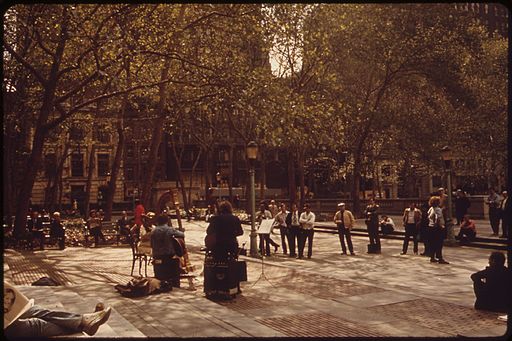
x,y
329,295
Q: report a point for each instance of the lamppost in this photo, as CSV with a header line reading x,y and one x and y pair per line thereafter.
x,y
446,153
252,153
218,178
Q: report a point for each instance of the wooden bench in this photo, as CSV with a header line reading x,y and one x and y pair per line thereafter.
x,y
109,229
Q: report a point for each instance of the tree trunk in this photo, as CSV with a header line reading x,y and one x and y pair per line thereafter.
x,y
34,160
355,186
207,177
230,179
263,175
180,175
147,185
300,155
116,165
194,166
292,186
159,122
60,170
90,170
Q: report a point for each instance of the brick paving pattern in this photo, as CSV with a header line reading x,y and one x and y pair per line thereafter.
x,y
243,302
28,268
318,325
322,286
442,316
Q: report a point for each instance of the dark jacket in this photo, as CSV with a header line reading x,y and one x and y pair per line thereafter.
x,y
288,219
225,227
498,281
461,205
56,228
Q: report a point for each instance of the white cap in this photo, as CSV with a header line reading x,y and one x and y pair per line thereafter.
x,y
341,204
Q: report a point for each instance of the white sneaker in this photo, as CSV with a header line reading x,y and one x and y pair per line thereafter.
x,y
91,322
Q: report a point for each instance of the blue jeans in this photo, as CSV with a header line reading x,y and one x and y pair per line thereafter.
x,y
40,322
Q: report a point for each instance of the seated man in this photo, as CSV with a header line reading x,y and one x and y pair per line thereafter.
x,y
165,264
387,225
492,285
467,231
124,225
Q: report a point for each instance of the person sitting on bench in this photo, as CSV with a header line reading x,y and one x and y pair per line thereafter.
x,y
492,285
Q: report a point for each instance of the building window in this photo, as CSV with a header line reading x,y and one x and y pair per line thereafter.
x,y
129,173
50,165
130,152
386,170
76,133
103,166
101,134
77,165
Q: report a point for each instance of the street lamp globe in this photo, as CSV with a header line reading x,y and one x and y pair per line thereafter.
x,y
252,150
446,153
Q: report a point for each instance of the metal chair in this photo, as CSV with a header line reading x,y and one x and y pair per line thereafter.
x,y
142,258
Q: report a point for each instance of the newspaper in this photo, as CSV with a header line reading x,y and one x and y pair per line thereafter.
x,y
15,304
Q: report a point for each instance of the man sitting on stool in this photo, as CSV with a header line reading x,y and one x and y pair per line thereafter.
x,y
492,285
165,265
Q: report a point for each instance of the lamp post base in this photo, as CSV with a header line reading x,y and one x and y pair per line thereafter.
x,y
254,245
450,240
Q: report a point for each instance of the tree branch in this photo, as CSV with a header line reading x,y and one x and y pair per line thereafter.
x,y
25,63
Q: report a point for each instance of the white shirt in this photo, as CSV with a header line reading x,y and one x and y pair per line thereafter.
x,y
435,215
307,220
280,219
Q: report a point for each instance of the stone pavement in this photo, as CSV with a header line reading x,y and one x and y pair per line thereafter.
x,y
328,295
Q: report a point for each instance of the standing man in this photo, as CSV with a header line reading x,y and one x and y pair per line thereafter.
x,y
292,221
124,227
57,230
372,225
35,227
345,221
139,213
273,208
493,201
505,218
280,221
265,239
412,221
307,222
165,265
461,205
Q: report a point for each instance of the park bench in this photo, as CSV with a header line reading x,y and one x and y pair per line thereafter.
x,y
109,229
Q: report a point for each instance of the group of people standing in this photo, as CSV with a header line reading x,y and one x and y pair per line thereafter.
x,y
497,207
36,224
296,228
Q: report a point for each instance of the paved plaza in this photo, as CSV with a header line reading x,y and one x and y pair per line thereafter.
x,y
330,295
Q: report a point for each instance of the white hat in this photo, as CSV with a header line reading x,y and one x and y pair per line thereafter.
x,y
56,213
341,204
